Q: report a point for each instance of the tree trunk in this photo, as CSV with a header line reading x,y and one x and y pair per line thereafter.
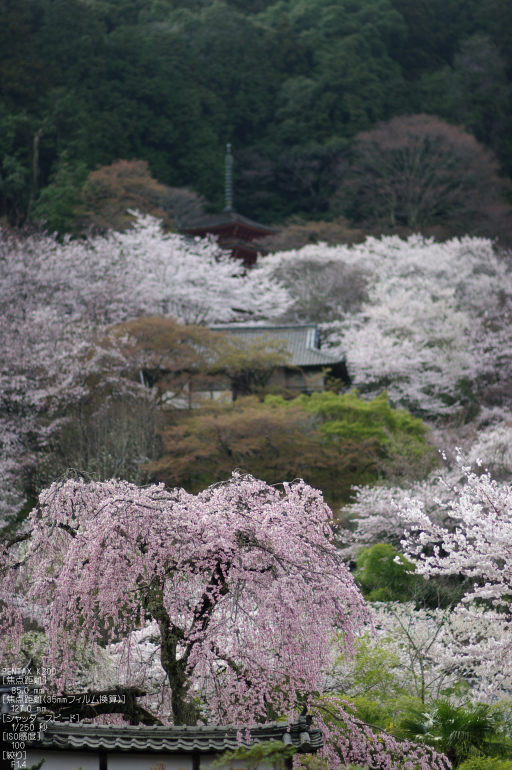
x,y
184,711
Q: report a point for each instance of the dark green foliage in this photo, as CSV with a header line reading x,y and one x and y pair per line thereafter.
x,y
232,54
23,72
382,578
457,731
476,92
70,42
15,172
352,78
434,29
56,203
273,753
386,575
148,105
300,177
288,82
494,17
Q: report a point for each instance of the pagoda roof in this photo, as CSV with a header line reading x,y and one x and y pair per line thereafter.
x,y
218,222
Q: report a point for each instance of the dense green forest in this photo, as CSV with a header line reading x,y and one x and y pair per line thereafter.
x,y
289,83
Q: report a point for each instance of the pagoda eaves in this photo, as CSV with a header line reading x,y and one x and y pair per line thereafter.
x,y
234,232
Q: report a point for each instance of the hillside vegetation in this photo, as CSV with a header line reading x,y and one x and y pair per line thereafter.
x,y
292,84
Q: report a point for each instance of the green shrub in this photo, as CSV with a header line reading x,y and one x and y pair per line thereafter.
x,y
331,441
486,763
382,578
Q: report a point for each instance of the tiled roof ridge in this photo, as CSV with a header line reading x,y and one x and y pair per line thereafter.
x,y
178,728
301,339
206,739
263,325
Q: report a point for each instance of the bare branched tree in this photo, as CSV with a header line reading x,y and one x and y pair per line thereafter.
x,y
418,171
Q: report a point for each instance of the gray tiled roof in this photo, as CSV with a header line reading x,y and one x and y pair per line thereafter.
x,y
203,740
302,340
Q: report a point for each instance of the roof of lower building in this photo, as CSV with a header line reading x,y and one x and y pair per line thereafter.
x,y
303,341
176,740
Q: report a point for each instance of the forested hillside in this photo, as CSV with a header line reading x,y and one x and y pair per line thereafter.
x,y
289,83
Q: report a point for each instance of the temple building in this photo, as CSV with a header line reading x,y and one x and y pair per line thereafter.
x,y
233,231
308,367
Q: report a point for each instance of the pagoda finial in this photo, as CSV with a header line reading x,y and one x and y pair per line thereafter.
x,y
228,186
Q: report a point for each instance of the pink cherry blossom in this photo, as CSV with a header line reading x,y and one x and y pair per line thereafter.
x,y
240,587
